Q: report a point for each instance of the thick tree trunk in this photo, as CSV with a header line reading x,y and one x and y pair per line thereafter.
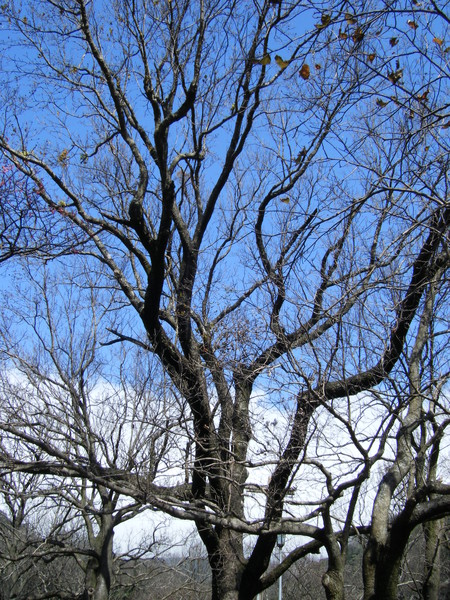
x,y
380,577
97,581
333,579
382,563
97,586
369,570
333,582
432,571
226,576
225,585
99,569
387,576
226,560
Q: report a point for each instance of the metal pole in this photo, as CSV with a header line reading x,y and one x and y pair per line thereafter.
x,y
280,581
281,538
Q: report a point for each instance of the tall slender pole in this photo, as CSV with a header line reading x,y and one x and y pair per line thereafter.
x,y
280,580
281,538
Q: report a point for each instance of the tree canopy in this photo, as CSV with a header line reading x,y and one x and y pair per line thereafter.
x,y
252,199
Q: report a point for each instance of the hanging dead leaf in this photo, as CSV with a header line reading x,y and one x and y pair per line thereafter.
x,y
371,57
285,200
446,125
265,60
317,67
412,24
325,20
305,71
280,62
393,41
438,41
423,97
395,76
62,158
381,103
342,35
358,35
350,18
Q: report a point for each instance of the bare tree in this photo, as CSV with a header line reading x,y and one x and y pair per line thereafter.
x,y
23,229
424,416
31,565
262,189
74,412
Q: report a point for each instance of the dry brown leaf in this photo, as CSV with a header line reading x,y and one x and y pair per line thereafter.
x,y
423,97
358,35
305,71
395,76
62,158
325,20
280,62
265,60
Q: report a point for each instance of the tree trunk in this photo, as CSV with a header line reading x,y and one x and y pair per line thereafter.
x,y
382,563
333,579
226,579
97,582
369,570
387,576
226,560
333,582
432,571
99,569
